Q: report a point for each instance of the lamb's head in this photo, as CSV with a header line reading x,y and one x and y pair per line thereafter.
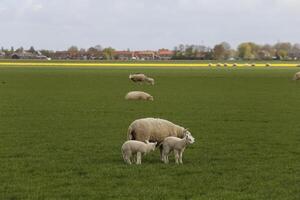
x,y
150,80
150,98
130,76
188,136
151,145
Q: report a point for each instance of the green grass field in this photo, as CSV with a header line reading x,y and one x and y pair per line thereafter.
x,y
61,131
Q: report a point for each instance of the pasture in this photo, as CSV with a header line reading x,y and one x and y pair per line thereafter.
x,y
62,128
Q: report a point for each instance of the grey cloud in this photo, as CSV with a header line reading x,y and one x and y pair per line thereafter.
x,y
144,24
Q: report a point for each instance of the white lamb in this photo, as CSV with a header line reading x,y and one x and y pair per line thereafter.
x,y
141,78
138,95
177,145
133,147
296,76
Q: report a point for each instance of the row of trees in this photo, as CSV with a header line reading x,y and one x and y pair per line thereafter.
x,y
244,51
222,51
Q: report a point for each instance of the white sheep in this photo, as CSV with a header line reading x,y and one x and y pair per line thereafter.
x,y
132,147
138,95
154,130
177,145
296,76
141,78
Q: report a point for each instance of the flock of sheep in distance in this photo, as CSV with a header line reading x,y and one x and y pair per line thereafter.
x,y
144,135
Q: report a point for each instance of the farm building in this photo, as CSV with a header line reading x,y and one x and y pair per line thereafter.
x,y
164,54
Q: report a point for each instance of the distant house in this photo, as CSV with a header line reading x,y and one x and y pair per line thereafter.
x,y
144,55
28,55
123,55
2,54
164,54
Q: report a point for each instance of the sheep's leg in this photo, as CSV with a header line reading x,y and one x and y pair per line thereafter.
x,y
161,154
138,158
180,156
127,159
176,153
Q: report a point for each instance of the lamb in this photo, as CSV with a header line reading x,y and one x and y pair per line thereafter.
x,y
154,130
141,78
296,76
131,147
177,145
138,95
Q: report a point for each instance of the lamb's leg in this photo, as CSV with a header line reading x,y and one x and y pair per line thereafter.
x,y
161,153
127,159
138,158
180,156
176,153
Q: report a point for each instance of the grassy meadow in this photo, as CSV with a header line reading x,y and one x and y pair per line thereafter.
x,y
61,130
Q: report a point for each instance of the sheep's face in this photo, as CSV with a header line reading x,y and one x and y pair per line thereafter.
x,y
153,145
190,139
150,98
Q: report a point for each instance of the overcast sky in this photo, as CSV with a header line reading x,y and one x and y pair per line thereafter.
x,y
146,24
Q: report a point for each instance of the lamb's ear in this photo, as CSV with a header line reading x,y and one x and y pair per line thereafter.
x,y
147,141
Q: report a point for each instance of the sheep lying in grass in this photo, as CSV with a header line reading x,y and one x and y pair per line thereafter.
x,y
141,78
296,76
154,130
138,95
177,145
132,147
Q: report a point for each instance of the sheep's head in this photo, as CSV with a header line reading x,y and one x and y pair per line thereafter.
x,y
150,80
188,136
130,76
151,144
150,98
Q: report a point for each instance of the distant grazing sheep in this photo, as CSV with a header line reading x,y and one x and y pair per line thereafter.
x,y
234,65
219,65
138,95
177,145
296,76
268,64
253,64
141,78
210,64
154,130
132,147
225,64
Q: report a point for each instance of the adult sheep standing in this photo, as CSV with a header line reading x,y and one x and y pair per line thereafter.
x,y
154,130
138,95
296,76
141,78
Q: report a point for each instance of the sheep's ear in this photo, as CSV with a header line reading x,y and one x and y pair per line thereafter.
x,y
147,141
